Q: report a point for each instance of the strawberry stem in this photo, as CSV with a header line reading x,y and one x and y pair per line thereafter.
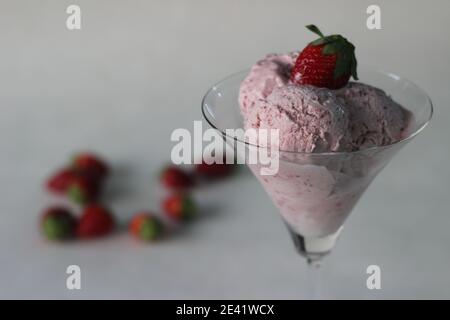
x,y
316,30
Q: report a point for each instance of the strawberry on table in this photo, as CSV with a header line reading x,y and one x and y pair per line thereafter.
x,y
175,178
95,221
214,170
179,207
58,223
326,62
83,188
60,181
92,163
146,226
82,180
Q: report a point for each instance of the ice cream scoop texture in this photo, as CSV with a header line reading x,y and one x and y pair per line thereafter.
x,y
312,119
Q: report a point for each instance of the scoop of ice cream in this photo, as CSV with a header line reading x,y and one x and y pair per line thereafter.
x,y
375,119
314,119
309,119
265,75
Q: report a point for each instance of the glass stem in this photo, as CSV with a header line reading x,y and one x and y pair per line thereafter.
x,y
314,278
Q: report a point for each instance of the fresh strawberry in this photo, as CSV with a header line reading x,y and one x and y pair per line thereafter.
x,y
59,182
146,226
326,62
175,178
179,207
214,170
83,188
91,163
95,221
58,223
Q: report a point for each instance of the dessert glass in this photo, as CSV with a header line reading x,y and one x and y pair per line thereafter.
x,y
315,192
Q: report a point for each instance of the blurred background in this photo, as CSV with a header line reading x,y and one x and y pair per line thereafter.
x,y
136,71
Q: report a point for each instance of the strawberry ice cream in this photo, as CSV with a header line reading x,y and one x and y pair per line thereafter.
x,y
312,119
375,119
315,193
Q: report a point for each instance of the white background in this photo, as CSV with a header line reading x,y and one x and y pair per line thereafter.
x,y
136,71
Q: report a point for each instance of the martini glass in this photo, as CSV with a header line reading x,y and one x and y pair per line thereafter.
x,y
315,192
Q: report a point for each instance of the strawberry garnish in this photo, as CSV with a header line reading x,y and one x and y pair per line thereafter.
x,y
326,62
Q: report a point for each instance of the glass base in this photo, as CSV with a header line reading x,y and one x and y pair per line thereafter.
x,y
314,248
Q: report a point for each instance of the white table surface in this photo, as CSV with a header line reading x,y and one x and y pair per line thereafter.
x,y
136,71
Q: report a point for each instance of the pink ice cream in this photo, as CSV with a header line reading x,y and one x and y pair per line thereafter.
x,y
309,119
315,193
375,119
314,119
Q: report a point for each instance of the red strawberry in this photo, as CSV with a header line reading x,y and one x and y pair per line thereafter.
x,y
326,62
83,188
95,221
91,163
179,207
146,226
58,223
60,181
214,170
175,178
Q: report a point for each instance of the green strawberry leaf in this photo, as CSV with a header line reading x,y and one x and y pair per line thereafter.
x,y
314,29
